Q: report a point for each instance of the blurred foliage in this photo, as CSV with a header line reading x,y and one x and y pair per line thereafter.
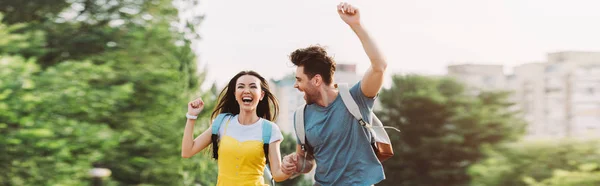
x,y
94,82
443,129
540,163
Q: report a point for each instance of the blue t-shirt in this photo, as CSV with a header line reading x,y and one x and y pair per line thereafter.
x,y
342,147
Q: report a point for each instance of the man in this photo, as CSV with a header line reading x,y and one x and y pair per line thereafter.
x,y
338,144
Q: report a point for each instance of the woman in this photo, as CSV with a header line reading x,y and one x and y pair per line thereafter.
x,y
241,158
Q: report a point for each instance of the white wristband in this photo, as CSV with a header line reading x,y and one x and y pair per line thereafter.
x,y
188,116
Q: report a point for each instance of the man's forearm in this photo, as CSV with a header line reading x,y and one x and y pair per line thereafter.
x,y
378,63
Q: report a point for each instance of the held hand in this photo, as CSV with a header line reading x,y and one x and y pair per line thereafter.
x,y
289,165
295,159
349,14
195,107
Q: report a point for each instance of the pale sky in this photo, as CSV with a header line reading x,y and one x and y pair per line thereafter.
x,y
416,36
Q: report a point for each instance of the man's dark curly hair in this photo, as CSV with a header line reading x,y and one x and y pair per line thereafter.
x,y
315,61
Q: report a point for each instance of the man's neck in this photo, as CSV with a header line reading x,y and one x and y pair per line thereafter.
x,y
328,95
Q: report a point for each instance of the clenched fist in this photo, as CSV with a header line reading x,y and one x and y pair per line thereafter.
x,y
349,14
195,107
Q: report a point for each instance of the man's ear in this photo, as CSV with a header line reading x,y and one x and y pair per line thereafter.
x,y
317,80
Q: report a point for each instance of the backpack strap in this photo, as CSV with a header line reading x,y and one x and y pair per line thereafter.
x,y
266,136
267,128
215,132
299,126
351,104
300,133
353,109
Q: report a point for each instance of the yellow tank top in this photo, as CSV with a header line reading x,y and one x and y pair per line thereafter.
x,y
240,163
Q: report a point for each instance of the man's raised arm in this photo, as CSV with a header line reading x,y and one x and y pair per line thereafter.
x,y
373,79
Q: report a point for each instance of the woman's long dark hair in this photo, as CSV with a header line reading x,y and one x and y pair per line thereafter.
x,y
226,103
267,108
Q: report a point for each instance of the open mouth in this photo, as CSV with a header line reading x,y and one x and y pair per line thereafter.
x,y
247,100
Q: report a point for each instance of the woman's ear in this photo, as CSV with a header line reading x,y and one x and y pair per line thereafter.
x,y
262,95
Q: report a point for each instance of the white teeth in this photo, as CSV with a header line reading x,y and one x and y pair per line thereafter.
x,y
246,99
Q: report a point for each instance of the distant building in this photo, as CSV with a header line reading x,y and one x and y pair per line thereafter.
x,y
289,99
558,98
527,84
479,77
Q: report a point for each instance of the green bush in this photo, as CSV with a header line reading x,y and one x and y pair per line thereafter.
x,y
536,163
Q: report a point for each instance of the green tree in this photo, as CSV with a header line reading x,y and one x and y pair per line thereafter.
x,y
535,163
443,129
162,68
586,175
50,121
107,87
14,41
78,29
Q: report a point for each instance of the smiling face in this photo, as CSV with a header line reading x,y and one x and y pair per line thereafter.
x,y
306,85
315,69
248,92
